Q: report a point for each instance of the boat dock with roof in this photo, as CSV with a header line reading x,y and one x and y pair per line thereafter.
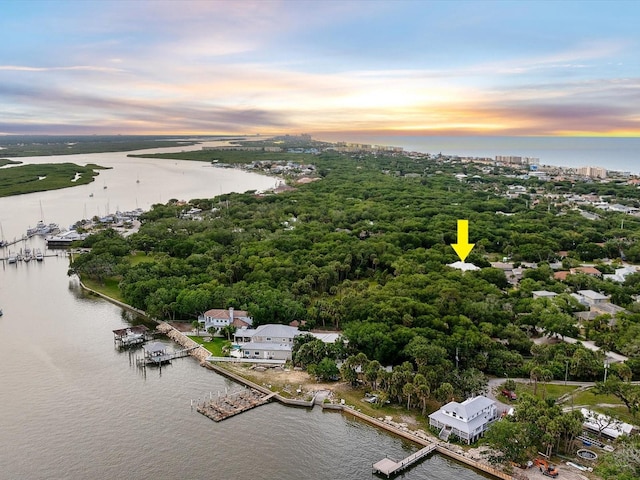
x,y
156,353
125,337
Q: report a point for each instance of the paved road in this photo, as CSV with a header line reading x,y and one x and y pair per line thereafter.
x,y
612,357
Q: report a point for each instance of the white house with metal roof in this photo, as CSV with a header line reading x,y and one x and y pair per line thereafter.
x,y
467,420
272,341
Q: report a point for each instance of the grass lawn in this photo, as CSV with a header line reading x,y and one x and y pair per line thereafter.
x,y
588,398
214,346
109,288
552,390
623,414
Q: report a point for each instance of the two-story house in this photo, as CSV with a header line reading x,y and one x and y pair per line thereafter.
x,y
220,317
467,420
272,341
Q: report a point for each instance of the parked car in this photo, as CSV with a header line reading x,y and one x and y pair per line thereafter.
x,y
511,395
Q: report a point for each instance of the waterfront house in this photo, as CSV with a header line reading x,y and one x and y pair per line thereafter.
x,y
219,318
467,420
272,341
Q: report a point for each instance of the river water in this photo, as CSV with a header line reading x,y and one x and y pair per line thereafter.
x,y
75,407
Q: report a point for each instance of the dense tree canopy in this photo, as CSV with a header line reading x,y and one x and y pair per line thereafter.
x,y
365,251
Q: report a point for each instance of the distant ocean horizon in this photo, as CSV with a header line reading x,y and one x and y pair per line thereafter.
x,y
612,153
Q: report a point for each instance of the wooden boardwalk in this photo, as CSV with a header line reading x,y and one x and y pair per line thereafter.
x,y
389,467
230,405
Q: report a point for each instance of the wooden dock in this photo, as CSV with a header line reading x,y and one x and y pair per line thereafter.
x,y
163,357
229,405
389,467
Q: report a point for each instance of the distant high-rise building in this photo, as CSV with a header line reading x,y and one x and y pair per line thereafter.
x,y
516,160
592,172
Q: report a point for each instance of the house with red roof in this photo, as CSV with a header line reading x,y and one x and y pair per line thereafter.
x,y
221,317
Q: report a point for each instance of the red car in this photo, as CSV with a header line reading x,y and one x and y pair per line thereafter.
x,y
509,394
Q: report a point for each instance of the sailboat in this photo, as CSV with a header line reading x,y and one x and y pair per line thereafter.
x,y
3,242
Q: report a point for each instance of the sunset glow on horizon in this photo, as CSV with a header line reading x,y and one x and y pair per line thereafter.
x,y
390,67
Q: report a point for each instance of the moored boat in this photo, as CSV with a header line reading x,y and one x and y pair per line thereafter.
x,y
42,228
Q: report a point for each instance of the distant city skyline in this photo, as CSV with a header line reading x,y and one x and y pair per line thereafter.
x,y
388,68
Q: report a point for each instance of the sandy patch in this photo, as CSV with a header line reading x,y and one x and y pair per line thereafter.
x,y
296,383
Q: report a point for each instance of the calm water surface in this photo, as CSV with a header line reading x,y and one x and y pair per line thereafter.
x,y
74,407
130,183
612,153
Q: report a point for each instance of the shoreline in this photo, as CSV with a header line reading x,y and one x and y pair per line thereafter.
x,y
419,437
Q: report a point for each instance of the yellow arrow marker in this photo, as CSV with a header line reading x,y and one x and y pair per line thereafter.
x,y
463,247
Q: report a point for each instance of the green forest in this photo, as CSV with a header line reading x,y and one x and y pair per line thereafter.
x,y
365,251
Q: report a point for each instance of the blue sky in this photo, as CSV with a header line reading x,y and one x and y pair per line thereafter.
x,y
381,67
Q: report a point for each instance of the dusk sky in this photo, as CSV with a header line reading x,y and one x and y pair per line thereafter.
x,y
320,67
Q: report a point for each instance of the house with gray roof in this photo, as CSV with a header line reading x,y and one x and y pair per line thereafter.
x,y
269,342
272,341
467,420
543,294
621,274
590,297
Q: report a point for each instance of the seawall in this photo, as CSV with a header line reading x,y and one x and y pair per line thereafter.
x,y
202,354
418,438
422,440
181,339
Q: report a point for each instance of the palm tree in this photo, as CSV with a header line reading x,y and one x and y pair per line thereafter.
x,y
535,374
196,325
545,376
228,331
407,390
423,391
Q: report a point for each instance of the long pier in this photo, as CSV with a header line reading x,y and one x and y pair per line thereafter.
x,y
389,467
